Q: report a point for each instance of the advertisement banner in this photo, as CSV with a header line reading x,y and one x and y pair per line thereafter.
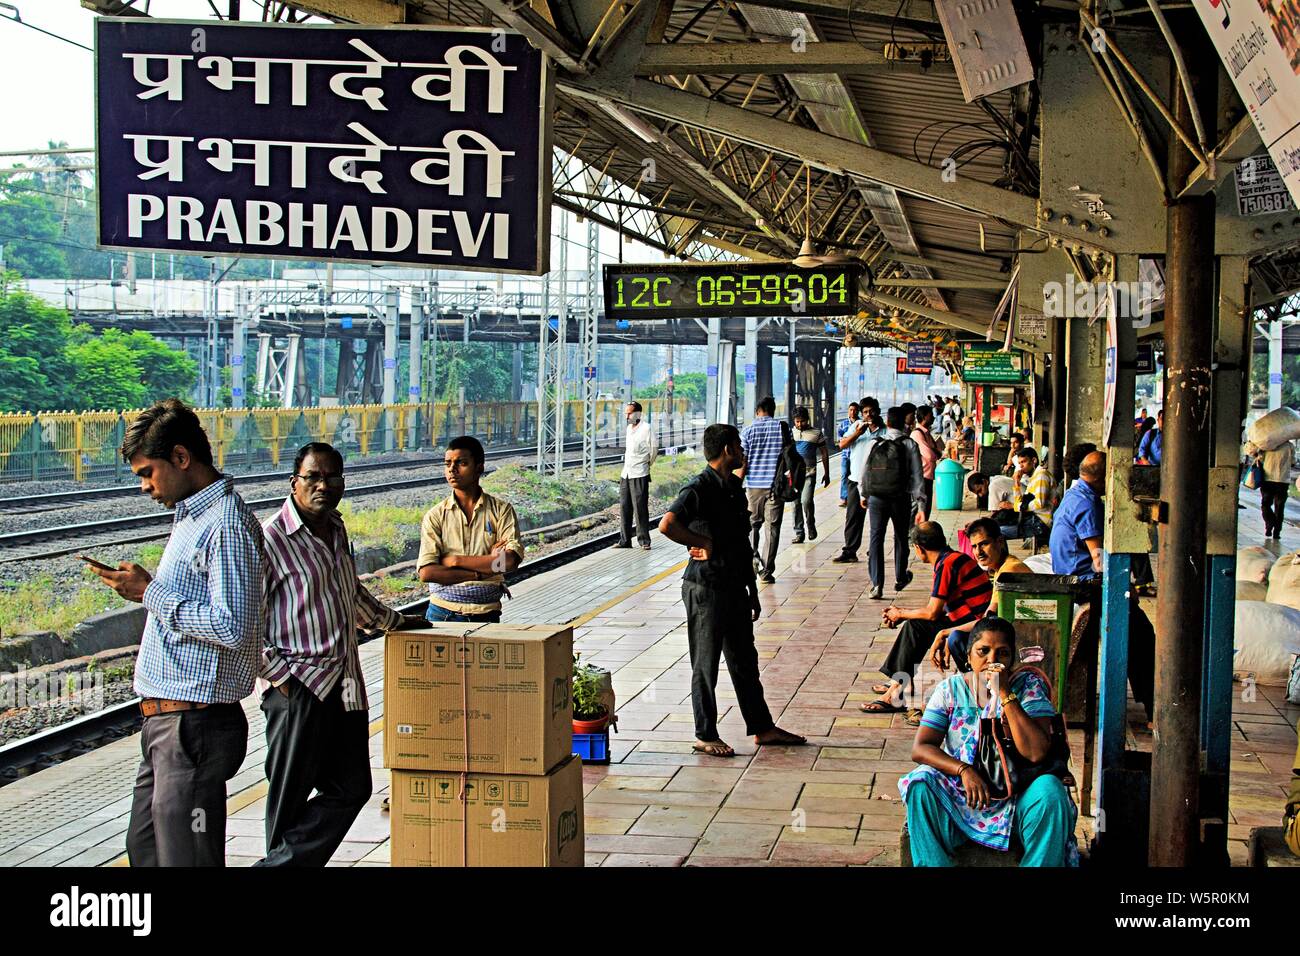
x,y
1259,44
424,146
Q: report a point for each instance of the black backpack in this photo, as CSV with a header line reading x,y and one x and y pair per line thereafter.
x,y
887,468
791,470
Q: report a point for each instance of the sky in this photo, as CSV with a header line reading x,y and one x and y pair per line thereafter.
x,y
49,88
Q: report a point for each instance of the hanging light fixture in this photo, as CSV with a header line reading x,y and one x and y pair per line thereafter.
x,y
807,258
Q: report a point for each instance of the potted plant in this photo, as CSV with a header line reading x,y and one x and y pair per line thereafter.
x,y
593,698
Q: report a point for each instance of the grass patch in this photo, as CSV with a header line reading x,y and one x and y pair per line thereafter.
x,y
534,495
41,606
149,555
384,527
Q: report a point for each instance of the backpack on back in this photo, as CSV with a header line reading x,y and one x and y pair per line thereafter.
x,y
791,470
887,468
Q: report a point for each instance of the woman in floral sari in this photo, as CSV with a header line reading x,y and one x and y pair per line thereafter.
x,y
948,801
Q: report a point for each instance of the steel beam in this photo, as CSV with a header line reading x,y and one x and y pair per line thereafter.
x,y
680,59
991,284
828,152
954,320
881,11
539,32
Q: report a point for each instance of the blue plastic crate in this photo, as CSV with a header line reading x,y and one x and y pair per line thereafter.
x,y
592,748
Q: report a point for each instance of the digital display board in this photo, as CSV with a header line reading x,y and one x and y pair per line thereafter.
x,y
729,289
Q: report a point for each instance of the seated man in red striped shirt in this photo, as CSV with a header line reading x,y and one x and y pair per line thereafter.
x,y
317,720
962,591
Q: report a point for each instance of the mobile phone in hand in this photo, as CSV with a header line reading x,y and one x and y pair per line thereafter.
x,y
95,564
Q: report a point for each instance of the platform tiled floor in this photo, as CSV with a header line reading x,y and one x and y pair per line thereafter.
x,y
832,802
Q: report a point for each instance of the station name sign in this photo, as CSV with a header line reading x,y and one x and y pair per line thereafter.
x,y
729,289
413,145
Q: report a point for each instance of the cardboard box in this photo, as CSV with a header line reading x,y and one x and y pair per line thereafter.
x,y
517,680
504,821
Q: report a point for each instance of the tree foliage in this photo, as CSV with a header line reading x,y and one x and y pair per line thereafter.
x,y
46,363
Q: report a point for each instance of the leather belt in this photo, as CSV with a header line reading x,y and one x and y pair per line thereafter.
x,y
153,706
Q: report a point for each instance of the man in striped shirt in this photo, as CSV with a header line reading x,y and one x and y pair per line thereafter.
x,y
199,652
763,440
962,591
317,724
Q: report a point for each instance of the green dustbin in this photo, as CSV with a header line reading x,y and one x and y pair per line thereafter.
x,y
1041,607
949,485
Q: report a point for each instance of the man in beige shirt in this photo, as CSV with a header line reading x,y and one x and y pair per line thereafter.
x,y
469,541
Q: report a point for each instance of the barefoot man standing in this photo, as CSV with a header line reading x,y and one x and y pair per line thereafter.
x,y
711,518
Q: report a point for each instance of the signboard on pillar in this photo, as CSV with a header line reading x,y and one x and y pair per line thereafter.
x,y
1260,48
1112,372
427,146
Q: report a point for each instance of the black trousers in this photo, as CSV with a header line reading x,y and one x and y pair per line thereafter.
x,y
312,744
1272,504
855,517
912,647
634,497
929,498
718,624
885,511
178,811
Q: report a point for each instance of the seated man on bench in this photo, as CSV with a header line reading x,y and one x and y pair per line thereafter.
x,y
949,801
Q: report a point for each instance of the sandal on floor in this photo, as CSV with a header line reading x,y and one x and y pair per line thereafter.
x,y
881,688
880,707
714,748
913,717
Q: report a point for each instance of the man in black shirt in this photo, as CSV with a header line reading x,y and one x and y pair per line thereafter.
x,y
711,518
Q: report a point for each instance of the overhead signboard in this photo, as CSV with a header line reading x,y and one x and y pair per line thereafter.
x,y
423,146
729,289
1260,48
986,363
920,356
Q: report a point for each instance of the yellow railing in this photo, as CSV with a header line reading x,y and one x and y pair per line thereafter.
x,y
82,445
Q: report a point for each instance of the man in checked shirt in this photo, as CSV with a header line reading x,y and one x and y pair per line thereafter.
x,y
199,652
317,720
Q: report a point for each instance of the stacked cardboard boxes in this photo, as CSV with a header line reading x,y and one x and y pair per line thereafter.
x,y
501,694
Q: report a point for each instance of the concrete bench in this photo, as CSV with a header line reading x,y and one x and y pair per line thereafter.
x,y
968,854
1267,848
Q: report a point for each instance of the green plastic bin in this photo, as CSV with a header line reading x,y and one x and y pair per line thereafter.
x,y
1041,607
949,485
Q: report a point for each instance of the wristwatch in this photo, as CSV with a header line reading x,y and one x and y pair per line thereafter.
x,y
1009,697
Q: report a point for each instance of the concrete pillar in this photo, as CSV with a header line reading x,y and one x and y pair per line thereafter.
x,y
751,370
238,345
1275,364
264,360
712,382
392,316
517,372
346,370
415,347
1086,387
763,382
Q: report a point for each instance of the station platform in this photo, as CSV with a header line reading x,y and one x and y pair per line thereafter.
x,y
820,641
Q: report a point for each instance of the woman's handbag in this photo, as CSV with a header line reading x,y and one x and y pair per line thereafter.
x,y
1006,771
1254,479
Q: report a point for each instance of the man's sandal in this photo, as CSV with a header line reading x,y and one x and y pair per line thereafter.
x,y
881,707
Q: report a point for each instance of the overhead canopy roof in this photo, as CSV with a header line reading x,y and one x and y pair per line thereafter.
x,y
646,90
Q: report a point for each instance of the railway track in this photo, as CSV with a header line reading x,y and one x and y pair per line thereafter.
x,y
64,741
54,500
71,538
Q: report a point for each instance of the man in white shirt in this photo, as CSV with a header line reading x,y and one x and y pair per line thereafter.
x,y
634,484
